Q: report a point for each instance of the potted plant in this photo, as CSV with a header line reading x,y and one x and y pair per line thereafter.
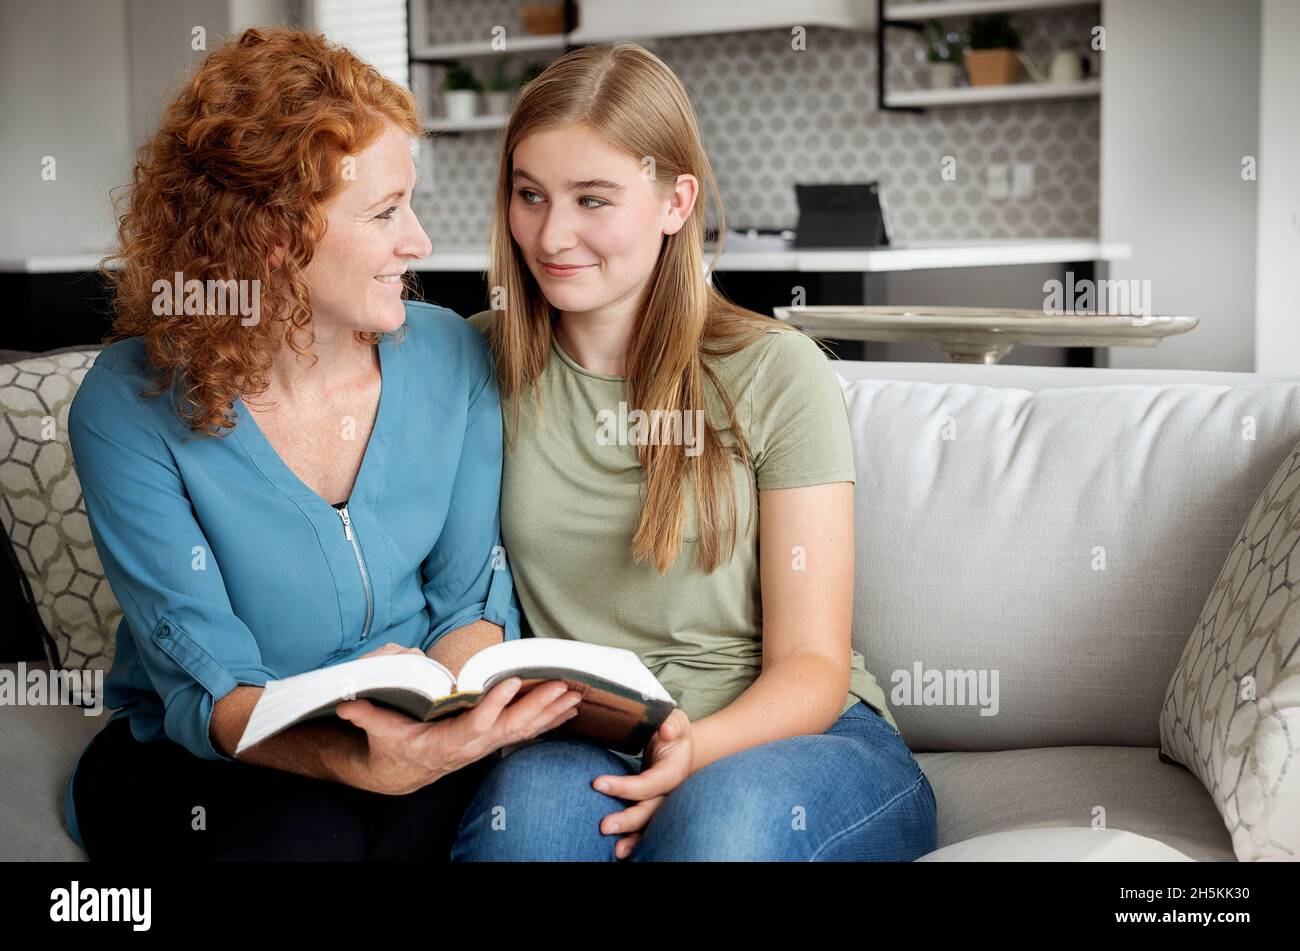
x,y
500,90
941,52
542,19
530,73
461,88
991,56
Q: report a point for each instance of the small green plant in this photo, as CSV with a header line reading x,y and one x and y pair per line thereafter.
x,y
460,77
497,80
530,73
992,31
942,46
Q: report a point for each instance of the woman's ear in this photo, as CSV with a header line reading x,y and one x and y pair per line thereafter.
x,y
276,257
680,203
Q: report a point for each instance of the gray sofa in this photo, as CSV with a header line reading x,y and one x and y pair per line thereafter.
x,y
1046,537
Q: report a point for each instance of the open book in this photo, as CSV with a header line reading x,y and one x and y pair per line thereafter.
x,y
622,703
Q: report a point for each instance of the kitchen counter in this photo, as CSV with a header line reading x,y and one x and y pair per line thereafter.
x,y
902,256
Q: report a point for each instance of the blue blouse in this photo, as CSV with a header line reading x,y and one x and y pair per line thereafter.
x,y
230,570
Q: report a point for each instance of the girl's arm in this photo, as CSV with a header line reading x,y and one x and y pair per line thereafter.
x,y
806,573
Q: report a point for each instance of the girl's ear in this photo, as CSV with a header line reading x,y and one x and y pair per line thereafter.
x,y
680,203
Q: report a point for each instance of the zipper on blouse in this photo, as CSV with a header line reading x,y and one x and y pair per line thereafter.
x,y
361,564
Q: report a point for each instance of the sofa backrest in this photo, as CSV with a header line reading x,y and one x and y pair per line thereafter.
x,y
1037,543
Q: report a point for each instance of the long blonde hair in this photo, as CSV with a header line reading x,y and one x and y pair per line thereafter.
x,y
633,101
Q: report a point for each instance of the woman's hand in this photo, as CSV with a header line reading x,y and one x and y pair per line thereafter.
x,y
401,755
669,756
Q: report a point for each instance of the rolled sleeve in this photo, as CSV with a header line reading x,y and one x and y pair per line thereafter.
x,y
158,562
466,576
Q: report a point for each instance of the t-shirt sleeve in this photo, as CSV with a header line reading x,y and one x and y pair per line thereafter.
x,y
799,419
483,321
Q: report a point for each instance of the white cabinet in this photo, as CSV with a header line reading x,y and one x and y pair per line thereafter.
x,y
601,21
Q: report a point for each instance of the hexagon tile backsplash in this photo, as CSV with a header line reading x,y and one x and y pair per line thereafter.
x,y
772,116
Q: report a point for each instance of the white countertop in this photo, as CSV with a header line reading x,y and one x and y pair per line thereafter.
x,y
902,256
78,263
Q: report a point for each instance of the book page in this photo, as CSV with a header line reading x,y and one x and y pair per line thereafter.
x,y
615,664
398,679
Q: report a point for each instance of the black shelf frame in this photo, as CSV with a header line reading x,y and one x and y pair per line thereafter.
x,y
912,26
570,24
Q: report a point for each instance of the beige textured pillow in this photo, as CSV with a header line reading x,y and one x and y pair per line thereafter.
x,y
1232,708
42,512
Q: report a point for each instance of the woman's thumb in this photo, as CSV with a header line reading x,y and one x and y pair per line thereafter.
x,y
354,711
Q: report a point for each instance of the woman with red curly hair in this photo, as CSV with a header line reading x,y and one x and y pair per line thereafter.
x,y
286,465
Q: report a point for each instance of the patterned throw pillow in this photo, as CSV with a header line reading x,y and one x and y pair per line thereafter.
x,y
1232,708
42,512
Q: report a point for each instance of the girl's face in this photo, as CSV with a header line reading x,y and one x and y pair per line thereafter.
x,y
589,220
355,275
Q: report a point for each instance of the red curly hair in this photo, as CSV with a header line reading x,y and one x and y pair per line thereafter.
x,y
246,156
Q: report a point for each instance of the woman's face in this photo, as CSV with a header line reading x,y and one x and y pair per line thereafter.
x,y
354,278
576,201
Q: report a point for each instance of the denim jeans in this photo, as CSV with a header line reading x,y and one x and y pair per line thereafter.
x,y
853,793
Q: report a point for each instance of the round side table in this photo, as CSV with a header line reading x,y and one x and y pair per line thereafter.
x,y
982,334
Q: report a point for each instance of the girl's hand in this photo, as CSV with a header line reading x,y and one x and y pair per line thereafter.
x,y
669,756
400,755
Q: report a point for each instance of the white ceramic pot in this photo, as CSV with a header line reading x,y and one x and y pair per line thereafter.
x,y
461,104
1067,67
498,103
944,75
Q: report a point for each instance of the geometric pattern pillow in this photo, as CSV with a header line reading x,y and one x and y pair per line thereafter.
x,y
1232,709
42,512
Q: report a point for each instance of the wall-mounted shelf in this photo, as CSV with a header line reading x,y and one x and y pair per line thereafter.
x,y
476,124
899,12
424,58
913,17
982,95
611,20
450,52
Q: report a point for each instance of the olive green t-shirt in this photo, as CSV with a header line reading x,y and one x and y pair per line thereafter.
x,y
571,496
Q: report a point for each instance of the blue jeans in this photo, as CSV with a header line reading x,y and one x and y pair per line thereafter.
x,y
853,793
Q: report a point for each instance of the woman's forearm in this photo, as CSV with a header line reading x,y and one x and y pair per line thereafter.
x,y
797,695
455,647
328,749
321,749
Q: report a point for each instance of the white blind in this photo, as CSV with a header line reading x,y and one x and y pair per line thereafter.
x,y
373,29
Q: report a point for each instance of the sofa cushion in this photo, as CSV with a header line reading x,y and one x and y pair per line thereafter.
x,y
1113,787
1058,845
1031,563
42,513
1232,708
39,746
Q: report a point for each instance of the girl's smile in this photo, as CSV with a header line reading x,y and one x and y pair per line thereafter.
x,y
567,270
